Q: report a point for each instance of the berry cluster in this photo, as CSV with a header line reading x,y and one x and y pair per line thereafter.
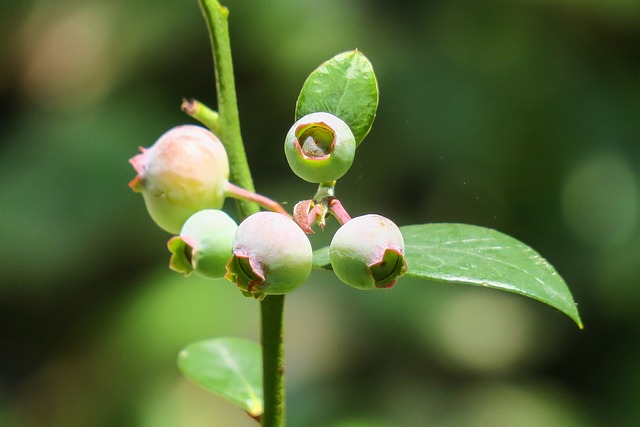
x,y
184,179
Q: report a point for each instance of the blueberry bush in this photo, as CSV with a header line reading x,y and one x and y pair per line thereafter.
x,y
191,169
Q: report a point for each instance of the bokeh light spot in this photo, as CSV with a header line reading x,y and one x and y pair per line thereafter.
x,y
485,331
600,200
67,57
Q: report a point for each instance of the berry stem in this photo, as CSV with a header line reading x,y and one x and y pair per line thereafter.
x,y
338,211
216,17
240,193
325,191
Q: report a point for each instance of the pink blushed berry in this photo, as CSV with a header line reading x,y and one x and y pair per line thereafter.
x,y
183,172
271,255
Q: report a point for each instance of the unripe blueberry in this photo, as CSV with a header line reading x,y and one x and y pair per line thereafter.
x,y
271,255
183,172
204,244
320,147
367,252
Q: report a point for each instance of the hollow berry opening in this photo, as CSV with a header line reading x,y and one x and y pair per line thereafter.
x,y
316,141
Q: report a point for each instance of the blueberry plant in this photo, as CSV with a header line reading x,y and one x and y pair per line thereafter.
x,y
188,172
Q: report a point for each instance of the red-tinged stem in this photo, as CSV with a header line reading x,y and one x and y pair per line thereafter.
x,y
336,209
240,193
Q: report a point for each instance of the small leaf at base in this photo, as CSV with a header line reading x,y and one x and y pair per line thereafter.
x,y
229,367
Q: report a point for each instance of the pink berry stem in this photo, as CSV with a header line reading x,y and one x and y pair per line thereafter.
x,y
236,192
338,211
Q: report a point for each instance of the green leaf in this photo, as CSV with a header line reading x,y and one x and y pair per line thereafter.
x,y
344,86
321,258
472,255
229,367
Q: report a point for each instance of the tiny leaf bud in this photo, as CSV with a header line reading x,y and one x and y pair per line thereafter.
x,y
367,252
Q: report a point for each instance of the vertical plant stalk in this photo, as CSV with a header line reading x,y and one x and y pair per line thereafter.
x,y
216,17
272,307
272,311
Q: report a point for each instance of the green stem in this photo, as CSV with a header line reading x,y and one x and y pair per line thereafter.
x,y
228,125
272,309
325,190
202,113
216,17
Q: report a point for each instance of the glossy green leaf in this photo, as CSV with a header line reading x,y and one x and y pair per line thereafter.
x,y
229,367
468,254
472,255
344,86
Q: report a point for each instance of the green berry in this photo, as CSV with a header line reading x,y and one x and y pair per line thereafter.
x,y
367,252
183,172
204,244
271,255
320,147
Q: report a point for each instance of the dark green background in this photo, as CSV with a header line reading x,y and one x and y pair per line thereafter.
x,y
519,115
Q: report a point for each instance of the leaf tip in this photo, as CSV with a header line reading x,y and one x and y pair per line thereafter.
x,y
579,322
255,409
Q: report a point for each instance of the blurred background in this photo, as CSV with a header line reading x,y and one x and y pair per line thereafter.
x,y
519,115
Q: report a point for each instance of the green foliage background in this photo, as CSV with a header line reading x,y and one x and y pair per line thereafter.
x,y
519,115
